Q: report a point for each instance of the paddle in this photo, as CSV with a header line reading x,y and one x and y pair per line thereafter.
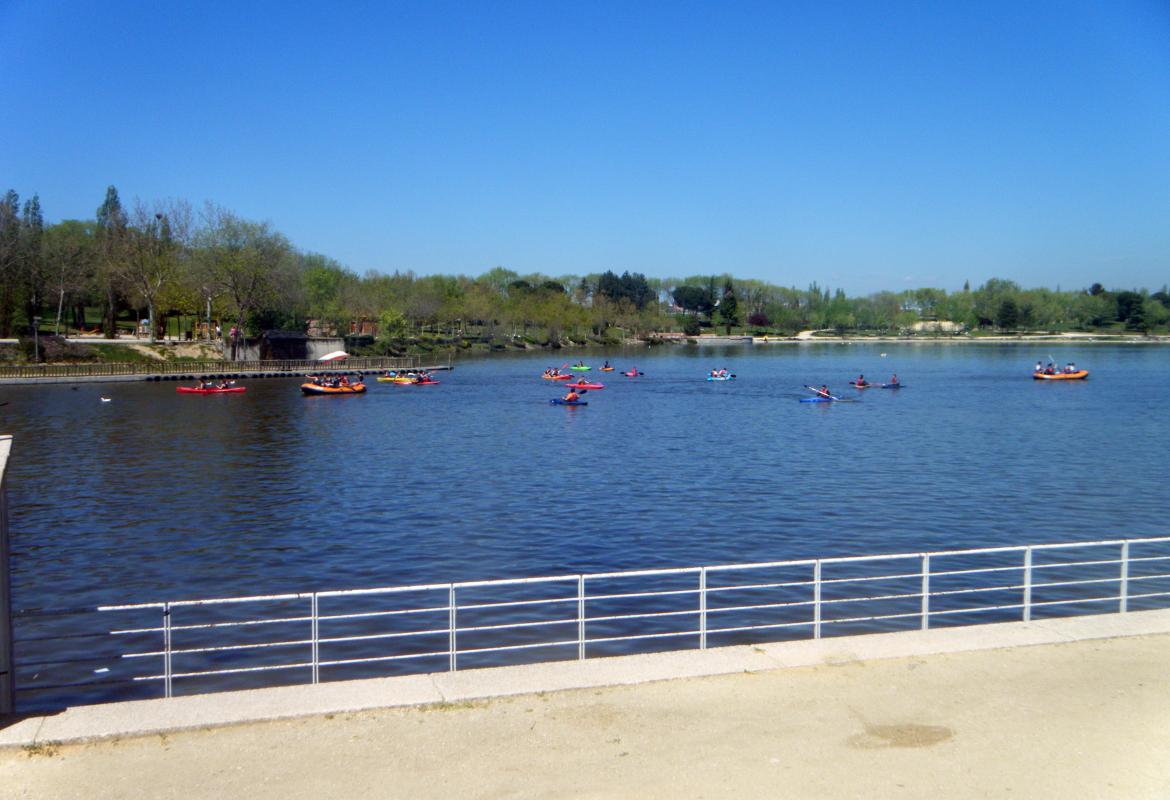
x,y
820,393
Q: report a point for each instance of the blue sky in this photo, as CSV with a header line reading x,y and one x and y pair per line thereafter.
x,y
865,146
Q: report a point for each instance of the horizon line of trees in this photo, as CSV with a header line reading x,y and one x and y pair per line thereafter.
x,y
165,259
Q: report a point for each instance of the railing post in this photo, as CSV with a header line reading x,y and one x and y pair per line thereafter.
x,y
926,591
451,642
316,640
1027,584
702,608
581,617
817,599
167,680
7,659
1124,607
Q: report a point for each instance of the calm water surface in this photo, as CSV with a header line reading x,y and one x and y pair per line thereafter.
x,y
157,495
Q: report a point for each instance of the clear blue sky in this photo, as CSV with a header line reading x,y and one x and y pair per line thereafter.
x,y
865,145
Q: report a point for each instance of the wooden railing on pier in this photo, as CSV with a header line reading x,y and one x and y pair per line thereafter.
x,y
149,368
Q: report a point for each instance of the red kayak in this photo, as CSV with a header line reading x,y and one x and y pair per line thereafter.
x,y
632,374
584,385
192,390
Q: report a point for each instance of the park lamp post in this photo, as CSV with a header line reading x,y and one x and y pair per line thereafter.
x,y
36,341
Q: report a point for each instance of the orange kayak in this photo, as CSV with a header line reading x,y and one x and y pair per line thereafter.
x,y
1079,375
312,388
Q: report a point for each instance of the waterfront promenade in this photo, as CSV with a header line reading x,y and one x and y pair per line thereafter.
x,y
1067,708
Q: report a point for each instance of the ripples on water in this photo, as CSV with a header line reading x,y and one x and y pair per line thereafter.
x,y
157,495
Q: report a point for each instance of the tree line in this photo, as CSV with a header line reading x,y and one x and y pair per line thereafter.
x,y
165,260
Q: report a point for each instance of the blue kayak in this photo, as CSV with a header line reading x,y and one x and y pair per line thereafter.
x,y
819,399
893,385
725,378
556,401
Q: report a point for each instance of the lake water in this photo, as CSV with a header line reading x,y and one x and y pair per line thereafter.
x,y
161,496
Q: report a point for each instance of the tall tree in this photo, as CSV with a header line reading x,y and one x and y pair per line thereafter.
x,y
246,260
9,259
151,259
729,307
32,259
111,254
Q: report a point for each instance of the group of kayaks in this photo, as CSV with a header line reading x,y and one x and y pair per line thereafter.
x,y
336,386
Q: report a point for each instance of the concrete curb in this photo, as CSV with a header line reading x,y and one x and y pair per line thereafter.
x,y
141,717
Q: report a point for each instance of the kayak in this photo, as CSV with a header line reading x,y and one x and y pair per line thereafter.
x,y
192,390
820,399
583,385
581,368
407,382
312,388
720,378
557,401
607,369
632,374
857,385
1079,375
557,377
892,386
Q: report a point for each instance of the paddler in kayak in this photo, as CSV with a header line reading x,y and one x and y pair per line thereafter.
x,y
894,380
824,391
572,396
861,381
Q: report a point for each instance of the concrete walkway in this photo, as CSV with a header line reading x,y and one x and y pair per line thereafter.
x,y
1058,708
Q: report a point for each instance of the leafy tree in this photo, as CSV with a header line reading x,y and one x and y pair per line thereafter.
x,y
111,248
1129,308
728,307
246,260
32,260
1007,316
10,245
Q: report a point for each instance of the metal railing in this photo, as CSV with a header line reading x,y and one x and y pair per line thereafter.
x,y
187,646
203,367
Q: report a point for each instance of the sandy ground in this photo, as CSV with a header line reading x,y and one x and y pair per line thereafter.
x,y
1078,720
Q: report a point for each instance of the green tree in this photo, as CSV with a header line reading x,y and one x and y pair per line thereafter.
x,y
9,260
111,251
245,260
728,307
1007,316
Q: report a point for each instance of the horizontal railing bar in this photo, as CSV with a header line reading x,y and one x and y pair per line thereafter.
x,y
509,625
646,615
939,573
341,662
871,578
868,598
749,586
366,637
239,670
512,603
1134,560
217,649
640,636
525,646
1149,594
876,618
628,595
1159,576
804,562
712,631
1076,600
976,609
388,613
642,573
791,604
977,589
1043,584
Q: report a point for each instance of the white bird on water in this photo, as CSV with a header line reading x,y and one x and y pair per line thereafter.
x,y
105,399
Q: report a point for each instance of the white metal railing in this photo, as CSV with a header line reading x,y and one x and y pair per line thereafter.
x,y
225,641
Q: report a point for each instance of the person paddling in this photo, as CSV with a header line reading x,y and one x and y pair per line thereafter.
x,y
894,380
824,392
572,396
861,381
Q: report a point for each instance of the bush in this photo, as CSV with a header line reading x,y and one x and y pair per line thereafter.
x,y
691,326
